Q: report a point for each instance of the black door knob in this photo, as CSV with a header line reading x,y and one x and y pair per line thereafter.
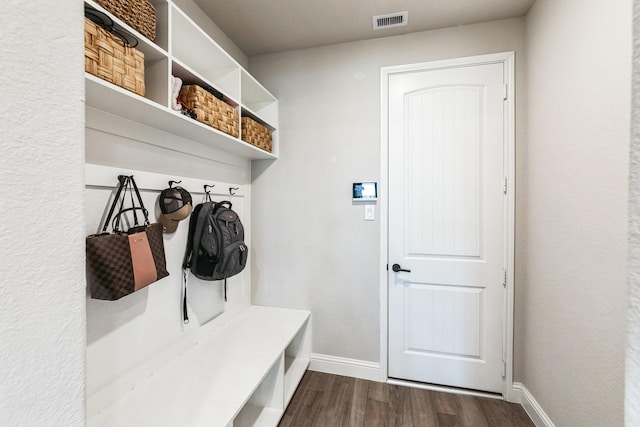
x,y
396,268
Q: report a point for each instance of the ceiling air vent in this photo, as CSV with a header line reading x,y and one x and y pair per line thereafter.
x,y
391,20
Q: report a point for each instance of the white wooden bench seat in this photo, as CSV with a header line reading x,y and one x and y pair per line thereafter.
x,y
242,373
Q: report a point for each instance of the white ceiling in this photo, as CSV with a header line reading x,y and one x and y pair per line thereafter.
x,y
267,26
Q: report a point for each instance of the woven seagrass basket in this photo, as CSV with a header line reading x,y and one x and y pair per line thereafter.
x,y
256,134
210,110
105,56
139,14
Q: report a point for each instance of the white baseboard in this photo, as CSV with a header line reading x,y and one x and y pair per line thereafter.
x,y
347,367
520,394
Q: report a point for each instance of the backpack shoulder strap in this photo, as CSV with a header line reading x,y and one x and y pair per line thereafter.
x,y
195,228
187,259
192,225
203,213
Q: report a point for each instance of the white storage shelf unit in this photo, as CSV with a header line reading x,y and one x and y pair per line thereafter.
x,y
241,374
183,49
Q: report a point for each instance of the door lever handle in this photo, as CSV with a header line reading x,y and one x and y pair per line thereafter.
x,y
396,268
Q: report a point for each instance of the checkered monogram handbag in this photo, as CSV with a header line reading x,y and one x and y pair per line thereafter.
x,y
122,262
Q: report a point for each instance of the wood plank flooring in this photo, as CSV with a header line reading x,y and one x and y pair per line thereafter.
x,y
330,400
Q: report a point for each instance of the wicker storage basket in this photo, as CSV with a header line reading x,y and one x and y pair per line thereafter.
x,y
210,110
106,57
256,134
139,14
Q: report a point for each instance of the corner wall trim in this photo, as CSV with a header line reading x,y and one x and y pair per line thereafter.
x,y
347,367
520,394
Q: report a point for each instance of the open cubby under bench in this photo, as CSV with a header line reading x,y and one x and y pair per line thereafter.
x,y
242,373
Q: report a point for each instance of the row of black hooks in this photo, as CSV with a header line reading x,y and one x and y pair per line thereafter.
x,y
232,190
207,188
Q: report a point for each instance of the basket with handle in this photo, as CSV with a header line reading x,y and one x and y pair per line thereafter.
x,y
139,14
107,57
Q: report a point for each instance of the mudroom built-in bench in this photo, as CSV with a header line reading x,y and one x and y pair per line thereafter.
x,y
235,364
240,373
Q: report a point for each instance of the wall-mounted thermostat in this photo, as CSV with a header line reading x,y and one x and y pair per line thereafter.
x,y
365,191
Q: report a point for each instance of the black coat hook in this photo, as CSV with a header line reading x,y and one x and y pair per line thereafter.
x,y
232,190
174,182
207,193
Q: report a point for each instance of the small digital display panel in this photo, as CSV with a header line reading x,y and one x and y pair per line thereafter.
x,y
365,191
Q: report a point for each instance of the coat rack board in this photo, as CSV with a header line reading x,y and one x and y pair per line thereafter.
x,y
107,176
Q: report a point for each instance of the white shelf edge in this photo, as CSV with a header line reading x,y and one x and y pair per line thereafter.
x,y
113,99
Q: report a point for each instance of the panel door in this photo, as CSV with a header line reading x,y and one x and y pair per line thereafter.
x,y
447,226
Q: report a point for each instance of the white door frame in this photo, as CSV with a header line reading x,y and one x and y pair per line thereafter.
x,y
508,60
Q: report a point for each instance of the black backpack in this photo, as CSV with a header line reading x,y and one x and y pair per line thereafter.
x,y
215,246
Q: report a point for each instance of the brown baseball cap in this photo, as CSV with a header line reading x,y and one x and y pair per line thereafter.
x,y
176,205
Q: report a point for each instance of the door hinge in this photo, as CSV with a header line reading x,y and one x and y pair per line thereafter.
x,y
504,369
505,93
504,185
504,278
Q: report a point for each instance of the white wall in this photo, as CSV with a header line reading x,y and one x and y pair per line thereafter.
x,y
42,284
572,327
632,392
312,248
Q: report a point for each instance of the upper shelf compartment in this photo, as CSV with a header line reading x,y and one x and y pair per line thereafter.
x,y
190,45
258,101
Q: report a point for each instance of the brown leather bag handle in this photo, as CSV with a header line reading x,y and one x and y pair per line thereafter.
x,y
123,180
125,183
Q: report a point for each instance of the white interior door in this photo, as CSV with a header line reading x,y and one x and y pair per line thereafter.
x,y
447,226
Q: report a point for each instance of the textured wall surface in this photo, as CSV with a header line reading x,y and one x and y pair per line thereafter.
x,y
632,392
312,247
573,324
42,285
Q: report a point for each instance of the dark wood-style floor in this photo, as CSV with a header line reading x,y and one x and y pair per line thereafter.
x,y
331,400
